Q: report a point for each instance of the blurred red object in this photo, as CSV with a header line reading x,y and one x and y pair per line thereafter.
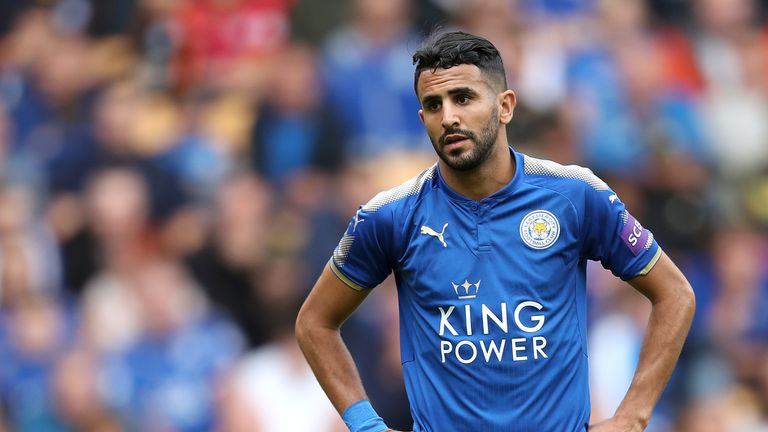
x,y
214,36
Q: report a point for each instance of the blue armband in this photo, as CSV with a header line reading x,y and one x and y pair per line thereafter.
x,y
361,417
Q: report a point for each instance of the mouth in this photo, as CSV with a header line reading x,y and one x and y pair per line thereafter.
x,y
453,141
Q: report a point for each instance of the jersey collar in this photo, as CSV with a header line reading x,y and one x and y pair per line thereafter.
x,y
508,189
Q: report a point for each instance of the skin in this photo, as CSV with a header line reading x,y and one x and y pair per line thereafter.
x,y
462,102
673,304
463,98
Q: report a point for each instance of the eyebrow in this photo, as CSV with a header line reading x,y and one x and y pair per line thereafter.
x,y
451,92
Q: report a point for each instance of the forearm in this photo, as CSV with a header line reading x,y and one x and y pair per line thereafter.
x,y
331,363
667,328
326,308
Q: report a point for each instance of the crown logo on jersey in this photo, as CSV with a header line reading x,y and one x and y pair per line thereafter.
x,y
467,290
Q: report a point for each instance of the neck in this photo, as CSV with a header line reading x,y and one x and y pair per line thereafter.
x,y
483,181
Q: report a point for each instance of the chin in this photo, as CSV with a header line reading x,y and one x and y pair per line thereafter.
x,y
460,163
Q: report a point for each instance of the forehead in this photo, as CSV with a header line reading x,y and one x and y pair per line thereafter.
x,y
442,80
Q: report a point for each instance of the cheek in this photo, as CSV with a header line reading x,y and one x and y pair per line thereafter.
x,y
433,125
481,118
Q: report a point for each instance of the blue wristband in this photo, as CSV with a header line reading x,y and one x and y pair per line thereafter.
x,y
361,417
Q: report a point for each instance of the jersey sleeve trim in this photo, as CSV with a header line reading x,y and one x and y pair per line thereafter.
x,y
410,187
549,168
347,281
651,263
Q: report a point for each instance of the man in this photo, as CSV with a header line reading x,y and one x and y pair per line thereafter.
x,y
489,250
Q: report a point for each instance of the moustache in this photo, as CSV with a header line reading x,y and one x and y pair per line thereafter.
x,y
467,133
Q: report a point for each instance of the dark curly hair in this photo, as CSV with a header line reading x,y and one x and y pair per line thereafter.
x,y
445,50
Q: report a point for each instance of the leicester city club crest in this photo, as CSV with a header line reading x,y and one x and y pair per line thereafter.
x,y
539,229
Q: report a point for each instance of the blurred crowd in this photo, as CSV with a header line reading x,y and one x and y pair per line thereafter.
x,y
174,175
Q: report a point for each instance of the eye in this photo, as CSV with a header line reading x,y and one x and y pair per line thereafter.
x,y
462,99
433,106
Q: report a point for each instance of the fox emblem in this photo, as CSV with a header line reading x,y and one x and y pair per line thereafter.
x,y
539,227
430,232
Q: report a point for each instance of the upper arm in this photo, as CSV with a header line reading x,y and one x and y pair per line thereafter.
x,y
663,281
362,259
330,302
366,253
613,236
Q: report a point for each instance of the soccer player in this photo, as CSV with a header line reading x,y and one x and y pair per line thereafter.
x,y
489,250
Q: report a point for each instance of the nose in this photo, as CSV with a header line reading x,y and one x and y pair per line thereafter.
x,y
450,116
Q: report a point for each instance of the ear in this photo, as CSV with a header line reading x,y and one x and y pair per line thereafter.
x,y
507,102
421,116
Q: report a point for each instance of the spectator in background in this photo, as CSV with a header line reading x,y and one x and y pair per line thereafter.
x,y
78,389
51,116
163,381
25,239
118,213
114,118
630,111
35,326
182,151
23,48
640,120
229,43
273,380
294,131
33,333
211,135
15,167
155,34
731,50
737,325
117,243
736,409
366,85
235,250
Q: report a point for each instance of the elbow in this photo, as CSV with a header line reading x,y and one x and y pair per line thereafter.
x,y
308,323
692,299
301,327
687,299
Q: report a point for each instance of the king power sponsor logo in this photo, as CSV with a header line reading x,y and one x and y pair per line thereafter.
x,y
477,332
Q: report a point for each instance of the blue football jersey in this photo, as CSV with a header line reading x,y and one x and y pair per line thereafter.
x,y
492,292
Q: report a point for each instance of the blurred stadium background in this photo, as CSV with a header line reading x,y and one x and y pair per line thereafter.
x,y
174,174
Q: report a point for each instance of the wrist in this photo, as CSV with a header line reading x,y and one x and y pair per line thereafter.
x,y
634,421
361,417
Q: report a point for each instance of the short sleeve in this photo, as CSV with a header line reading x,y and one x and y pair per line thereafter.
x,y
614,237
364,256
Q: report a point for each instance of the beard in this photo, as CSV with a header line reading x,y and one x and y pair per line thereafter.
x,y
477,154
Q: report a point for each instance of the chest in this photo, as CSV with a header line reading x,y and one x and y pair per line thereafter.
x,y
520,246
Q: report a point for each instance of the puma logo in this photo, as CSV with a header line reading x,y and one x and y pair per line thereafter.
x,y
357,220
430,232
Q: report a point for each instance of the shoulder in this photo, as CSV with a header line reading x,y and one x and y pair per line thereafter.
x,y
576,184
403,196
374,233
562,178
